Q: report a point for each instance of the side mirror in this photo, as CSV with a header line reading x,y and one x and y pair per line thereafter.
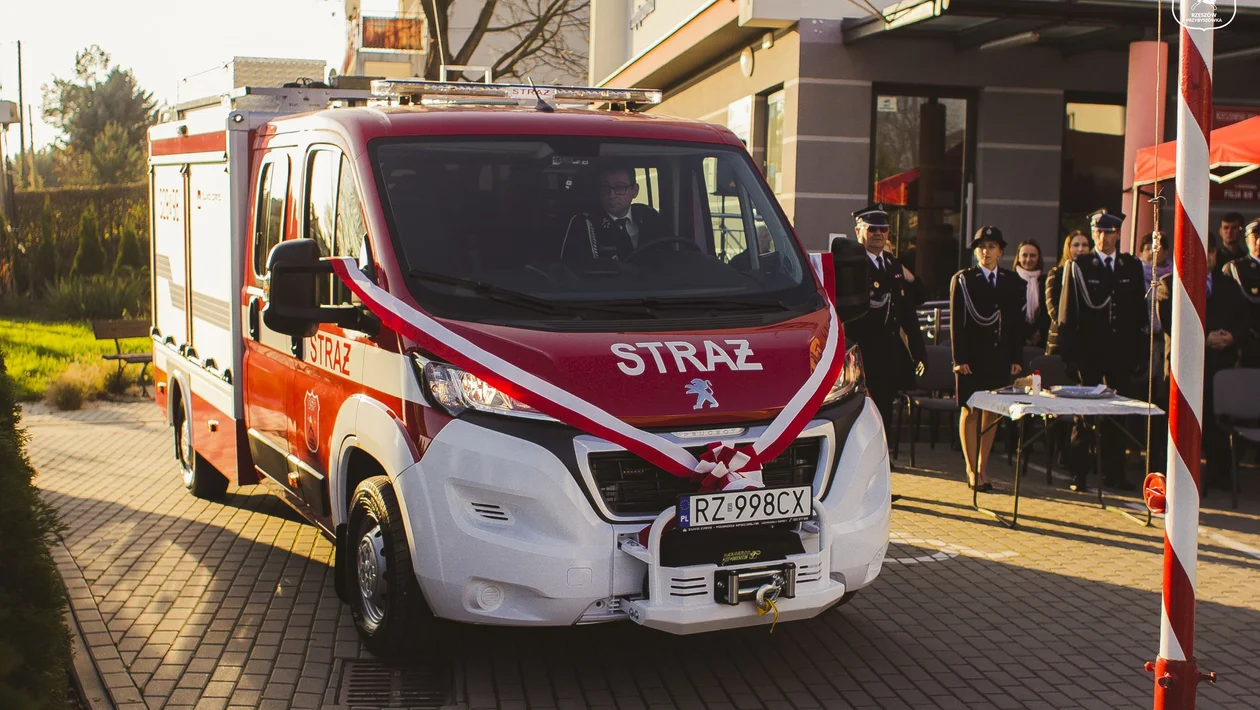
x,y
293,306
853,295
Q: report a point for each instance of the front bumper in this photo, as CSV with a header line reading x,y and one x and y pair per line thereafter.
x,y
685,600
502,531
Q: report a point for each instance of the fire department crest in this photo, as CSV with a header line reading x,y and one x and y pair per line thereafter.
x,y
1206,15
311,420
703,390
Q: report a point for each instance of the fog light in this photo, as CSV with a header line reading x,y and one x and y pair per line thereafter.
x,y
490,597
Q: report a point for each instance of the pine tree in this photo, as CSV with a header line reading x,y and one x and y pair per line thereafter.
x,y
44,269
89,260
128,252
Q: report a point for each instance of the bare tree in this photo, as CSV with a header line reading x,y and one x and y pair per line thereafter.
x,y
523,36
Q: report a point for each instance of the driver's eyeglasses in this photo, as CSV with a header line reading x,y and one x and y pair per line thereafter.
x,y
619,190
877,230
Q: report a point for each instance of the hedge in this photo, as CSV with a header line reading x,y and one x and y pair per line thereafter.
x,y
116,206
34,641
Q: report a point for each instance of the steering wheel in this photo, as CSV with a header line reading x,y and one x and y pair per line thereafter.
x,y
658,243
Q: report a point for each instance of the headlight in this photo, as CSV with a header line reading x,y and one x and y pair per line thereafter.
x,y
852,378
457,391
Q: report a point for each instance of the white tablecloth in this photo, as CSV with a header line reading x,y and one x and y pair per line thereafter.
x,y
1018,405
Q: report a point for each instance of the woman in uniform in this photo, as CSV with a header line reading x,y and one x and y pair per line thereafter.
x,y
987,325
1074,245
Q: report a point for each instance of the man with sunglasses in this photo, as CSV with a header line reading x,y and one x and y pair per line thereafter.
x,y
618,227
889,366
1103,335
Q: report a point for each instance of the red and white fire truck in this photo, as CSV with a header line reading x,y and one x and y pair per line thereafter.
x,y
413,312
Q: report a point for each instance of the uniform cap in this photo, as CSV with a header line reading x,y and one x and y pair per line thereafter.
x,y
873,215
1102,219
988,233
1253,227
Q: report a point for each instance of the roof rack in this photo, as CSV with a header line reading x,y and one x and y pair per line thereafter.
x,y
417,90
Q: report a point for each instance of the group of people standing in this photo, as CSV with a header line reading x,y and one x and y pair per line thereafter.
x,y
1099,309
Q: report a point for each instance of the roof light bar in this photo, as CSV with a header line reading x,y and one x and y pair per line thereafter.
x,y
518,92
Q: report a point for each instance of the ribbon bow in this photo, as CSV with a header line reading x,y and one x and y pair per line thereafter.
x,y
726,468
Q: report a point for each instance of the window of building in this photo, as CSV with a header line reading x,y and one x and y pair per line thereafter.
x,y
1093,160
273,194
920,170
773,167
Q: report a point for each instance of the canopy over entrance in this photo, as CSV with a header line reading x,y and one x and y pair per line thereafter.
x,y
1233,152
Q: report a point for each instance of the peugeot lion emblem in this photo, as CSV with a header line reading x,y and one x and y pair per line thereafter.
x,y
703,390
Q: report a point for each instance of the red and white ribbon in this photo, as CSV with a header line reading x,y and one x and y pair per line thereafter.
x,y
725,467
407,319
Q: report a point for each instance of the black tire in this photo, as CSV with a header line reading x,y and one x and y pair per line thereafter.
x,y
200,478
389,610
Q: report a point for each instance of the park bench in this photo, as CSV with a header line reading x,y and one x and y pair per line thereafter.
x,y
117,330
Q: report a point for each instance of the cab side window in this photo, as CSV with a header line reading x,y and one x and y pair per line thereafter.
x,y
273,195
334,218
350,225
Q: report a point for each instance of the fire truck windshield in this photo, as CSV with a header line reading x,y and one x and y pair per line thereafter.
x,y
534,227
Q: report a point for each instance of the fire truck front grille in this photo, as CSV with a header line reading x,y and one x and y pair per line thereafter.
x,y
630,485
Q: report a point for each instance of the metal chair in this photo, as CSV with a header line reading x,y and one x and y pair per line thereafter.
x,y
1237,411
933,393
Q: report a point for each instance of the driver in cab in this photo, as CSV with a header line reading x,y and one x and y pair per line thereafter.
x,y
617,227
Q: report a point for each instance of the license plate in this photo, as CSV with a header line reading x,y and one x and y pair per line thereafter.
x,y
750,507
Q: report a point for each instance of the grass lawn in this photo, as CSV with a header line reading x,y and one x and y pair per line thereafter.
x,y
36,353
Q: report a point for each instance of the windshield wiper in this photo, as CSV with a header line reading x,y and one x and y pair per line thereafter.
x,y
525,300
711,304
497,293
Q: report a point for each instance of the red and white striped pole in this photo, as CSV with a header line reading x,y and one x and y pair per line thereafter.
x,y
1176,672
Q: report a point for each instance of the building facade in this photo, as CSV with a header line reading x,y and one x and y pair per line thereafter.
x,y
953,114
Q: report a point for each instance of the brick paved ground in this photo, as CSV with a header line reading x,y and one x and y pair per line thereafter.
x,y
187,603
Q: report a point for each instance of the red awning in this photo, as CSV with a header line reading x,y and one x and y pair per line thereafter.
x,y
1235,146
895,189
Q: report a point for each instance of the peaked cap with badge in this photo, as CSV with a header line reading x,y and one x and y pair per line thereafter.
x,y
872,215
1106,221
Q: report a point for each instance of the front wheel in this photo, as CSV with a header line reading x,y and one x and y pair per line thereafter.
x,y
389,611
200,478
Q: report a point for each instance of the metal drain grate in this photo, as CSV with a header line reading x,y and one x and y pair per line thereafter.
x,y
419,684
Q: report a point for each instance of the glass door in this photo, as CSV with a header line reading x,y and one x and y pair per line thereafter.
x,y
921,166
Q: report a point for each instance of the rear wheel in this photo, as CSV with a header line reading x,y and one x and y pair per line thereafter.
x,y
200,478
389,611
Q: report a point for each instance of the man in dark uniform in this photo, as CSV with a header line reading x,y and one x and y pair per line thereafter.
x,y
615,229
1227,332
1103,335
1245,271
889,366
1231,244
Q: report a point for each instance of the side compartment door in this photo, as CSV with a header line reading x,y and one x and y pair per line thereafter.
x,y
331,369
170,283
269,356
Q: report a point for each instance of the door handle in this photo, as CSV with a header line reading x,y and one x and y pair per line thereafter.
x,y
255,315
